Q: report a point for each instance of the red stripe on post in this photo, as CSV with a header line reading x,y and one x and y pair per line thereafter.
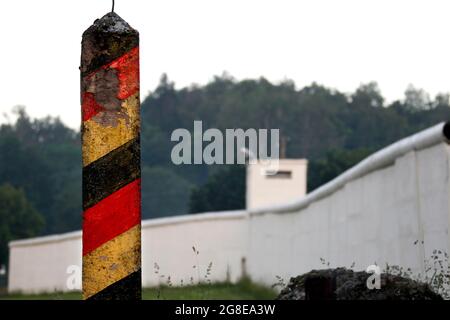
x,y
127,67
112,216
89,107
128,73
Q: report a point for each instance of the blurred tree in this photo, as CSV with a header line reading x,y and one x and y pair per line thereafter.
x,y
442,100
164,193
334,163
224,190
368,95
18,218
417,99
42,157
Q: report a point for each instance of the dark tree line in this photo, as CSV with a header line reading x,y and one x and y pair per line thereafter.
x,y
40,159
331,129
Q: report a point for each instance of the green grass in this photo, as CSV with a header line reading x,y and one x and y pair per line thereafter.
x,y
46,296
244,289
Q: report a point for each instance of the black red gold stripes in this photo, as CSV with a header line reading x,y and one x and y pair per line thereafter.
x,y
111,172
114,215
111,161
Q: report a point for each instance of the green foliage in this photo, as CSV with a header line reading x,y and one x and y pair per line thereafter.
x,y
164,193
43,157
331,129
225,190
332,164
18,218
243,290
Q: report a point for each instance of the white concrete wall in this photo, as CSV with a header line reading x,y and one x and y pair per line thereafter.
x,y
40,265
375,218
374,212
220,239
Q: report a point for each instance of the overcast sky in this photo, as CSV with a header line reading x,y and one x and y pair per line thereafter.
x,y
336,43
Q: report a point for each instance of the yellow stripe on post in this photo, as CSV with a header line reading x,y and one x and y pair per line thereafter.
x,y
112,261
99,140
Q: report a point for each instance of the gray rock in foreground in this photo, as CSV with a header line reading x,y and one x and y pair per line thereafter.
x,y
345,284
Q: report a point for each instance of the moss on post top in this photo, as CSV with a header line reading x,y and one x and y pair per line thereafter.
x,y
106,40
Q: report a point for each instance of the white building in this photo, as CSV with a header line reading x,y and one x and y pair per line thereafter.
x,y
267,185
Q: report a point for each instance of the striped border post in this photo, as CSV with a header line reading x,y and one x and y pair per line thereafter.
x,y
111,161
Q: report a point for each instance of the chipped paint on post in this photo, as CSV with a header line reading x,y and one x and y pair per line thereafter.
x,y
111,161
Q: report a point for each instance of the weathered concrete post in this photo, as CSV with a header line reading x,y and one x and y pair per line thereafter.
x,y
111,160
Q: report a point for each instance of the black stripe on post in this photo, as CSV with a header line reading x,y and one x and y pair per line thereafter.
x,y
111,172
128,288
